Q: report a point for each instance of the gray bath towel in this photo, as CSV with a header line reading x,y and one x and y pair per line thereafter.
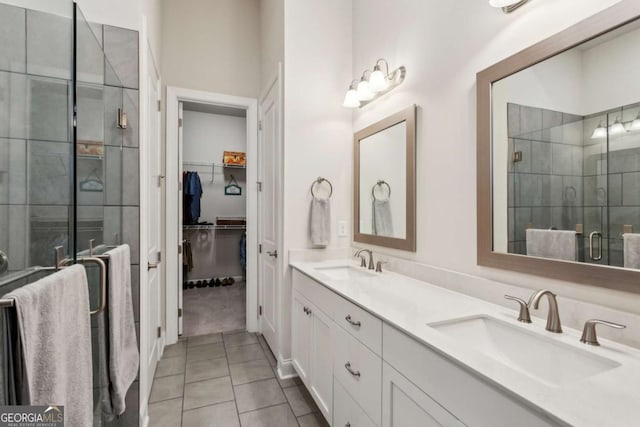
x,y
124,358
55,331
556,244
320,222
382,223
631,250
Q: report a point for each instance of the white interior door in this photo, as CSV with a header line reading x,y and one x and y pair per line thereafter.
x,y
180,219
268,202
153,220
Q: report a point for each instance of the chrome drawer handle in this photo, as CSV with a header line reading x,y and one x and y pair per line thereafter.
x,y
356,324
351,371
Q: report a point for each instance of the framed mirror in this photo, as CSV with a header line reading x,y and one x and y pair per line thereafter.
x,y
559,155
384,182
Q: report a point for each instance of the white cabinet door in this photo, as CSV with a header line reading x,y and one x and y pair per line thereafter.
x,y
301,336
321,361
405,405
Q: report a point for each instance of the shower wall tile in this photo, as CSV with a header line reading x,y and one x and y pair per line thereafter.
x,y
615,189
49,165
12,38
511,218
551,119
112,225
620,216
113,172
562,159
530,119
48,112
89,171
595,190
572,133
624,161
570,118
541,217
13,106
48,227
523,146
631,189
523,218
513,120
529,190
89,56
90,125
112,101
573,190
554,134
540,157
48,45
131,107
13,172
121,48
556,190
13,219
130,177
131,231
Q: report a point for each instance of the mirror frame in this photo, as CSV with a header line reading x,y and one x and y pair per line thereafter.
x,y
407,115
597,275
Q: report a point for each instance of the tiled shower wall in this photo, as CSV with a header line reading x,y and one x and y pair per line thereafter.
x,y
36,149
545,187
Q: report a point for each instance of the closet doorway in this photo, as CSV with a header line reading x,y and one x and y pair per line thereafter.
x,y
214,214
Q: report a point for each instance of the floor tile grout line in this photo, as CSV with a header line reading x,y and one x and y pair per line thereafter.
x,y
233,390
206,406
184,385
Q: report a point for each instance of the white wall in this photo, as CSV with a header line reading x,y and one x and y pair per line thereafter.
x,y
317,129
271,40
212,46
442,60
206,136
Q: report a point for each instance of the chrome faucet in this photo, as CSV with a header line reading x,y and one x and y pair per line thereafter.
x,y
371,263
553,318
589,332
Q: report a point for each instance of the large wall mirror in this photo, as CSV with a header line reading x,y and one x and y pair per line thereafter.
x,y
384,182
559,154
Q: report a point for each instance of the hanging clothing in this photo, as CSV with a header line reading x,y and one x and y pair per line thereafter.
x,y
192,192
187,256
243,251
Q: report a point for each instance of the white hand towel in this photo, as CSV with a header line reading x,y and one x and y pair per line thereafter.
x,y
55,330
320,222
124,358
631,250
382,222
556,244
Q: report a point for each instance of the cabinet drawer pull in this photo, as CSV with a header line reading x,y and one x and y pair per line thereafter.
x,y
352,322
348,424
351,371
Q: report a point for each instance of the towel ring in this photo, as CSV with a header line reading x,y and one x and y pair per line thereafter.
x,y
320,180
380,184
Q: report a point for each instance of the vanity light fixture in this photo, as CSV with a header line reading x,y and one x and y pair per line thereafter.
x,y
600,132
507,6
617,128
351,97
379,82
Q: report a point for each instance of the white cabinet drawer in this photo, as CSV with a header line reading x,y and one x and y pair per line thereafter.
x,y
359,370
346,412
318,294
359,323
472,400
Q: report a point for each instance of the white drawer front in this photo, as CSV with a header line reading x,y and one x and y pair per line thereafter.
x,y
346,412
318,294
359,323
359,371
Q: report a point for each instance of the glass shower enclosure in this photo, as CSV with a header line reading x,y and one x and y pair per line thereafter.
x,y
68,148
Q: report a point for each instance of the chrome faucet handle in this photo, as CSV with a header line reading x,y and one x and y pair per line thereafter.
x,y
524,309
363,261
553,317
589,332
379,266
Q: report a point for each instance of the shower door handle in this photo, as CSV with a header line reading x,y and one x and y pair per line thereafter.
x,y
592,237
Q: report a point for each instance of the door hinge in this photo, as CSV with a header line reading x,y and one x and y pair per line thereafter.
x,y
159,256
179,122
260,248
260,310
179,249
259,124
160,178
259,185
159,331
179,312
159,105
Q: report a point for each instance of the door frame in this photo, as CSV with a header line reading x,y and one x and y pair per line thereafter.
x,y
174,96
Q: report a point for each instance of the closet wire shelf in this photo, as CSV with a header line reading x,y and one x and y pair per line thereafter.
x,y
213,227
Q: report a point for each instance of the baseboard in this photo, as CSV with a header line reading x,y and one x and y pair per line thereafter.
x,y
286,370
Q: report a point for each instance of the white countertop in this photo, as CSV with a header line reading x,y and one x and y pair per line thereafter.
x,y
611,398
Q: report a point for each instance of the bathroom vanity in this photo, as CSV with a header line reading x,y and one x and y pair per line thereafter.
x,y
383,349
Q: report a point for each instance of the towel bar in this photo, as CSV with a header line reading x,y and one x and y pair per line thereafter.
x,y
320,180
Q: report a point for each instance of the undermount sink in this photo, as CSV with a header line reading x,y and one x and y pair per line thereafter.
x,y
345,272
543,358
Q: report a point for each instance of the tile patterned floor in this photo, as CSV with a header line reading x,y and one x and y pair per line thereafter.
x,y
227,380
212,310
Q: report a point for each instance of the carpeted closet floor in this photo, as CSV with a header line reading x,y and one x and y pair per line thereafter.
x,y
212,310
